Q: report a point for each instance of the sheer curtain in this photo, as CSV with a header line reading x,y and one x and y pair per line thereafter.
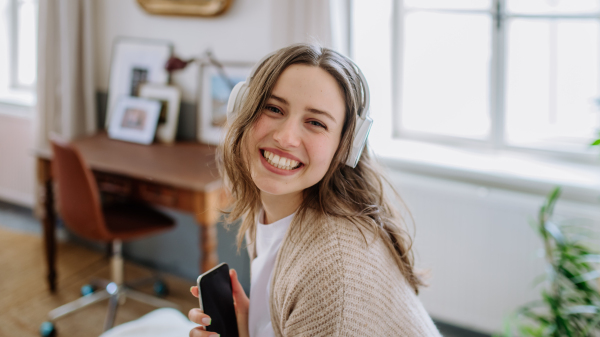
x,y
324,22
65,85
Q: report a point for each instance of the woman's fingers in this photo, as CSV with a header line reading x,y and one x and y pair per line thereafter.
x,y
194,291
242,303
200,332
199,317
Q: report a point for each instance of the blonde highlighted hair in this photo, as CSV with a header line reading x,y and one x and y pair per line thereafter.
x,y
357,194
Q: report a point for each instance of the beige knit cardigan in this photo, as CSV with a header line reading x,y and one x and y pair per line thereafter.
x,y
329,281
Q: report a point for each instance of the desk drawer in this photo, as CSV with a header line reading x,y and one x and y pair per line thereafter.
x,y
157,194
113,184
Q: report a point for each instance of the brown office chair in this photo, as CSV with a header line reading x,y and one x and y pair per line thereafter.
x,y
82,213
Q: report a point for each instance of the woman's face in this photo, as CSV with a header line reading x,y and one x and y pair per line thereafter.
x,y
297,134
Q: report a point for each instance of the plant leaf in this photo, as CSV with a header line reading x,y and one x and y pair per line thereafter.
x,y
586,277
581,309
555,232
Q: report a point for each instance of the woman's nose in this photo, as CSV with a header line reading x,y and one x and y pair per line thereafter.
x,y
287,134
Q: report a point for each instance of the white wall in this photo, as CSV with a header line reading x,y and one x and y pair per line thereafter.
x,y
477,243
17,161
243,33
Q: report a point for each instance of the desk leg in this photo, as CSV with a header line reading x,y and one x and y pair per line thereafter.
x,y
207,216
48,218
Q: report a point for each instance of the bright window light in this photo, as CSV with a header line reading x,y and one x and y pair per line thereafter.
x,y
18,51
512,74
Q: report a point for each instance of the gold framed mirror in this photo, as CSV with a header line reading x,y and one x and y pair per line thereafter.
x,y
186,7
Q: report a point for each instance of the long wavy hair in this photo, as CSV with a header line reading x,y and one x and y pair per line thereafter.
x,y
357,194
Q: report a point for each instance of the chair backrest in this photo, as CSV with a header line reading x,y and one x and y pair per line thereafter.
x,y
78,196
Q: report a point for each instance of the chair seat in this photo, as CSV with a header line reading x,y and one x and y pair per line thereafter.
x,y
131,220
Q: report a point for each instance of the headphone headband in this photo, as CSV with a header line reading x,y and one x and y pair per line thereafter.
x,y
363,120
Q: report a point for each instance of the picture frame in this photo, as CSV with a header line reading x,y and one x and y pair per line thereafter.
x,y
135,61
205,8
213,93
170,98
134,120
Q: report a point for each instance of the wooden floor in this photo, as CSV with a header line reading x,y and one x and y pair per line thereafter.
x,y
25,299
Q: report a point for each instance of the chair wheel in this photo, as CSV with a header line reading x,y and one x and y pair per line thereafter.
x,y
160,289
47,329
87,289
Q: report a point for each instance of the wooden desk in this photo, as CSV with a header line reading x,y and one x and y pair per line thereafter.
x,y
182,176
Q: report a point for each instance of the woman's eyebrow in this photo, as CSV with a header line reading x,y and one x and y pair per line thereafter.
x,y
280,99
321,112
313,110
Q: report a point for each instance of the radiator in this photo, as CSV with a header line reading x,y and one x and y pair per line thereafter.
x,y
478,246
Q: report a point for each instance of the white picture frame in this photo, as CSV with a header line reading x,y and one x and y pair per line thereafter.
x,y
213,93
134,120
135,61
170,98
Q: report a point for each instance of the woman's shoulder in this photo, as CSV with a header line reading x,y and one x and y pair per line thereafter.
x,y
344,234
336,267
336,245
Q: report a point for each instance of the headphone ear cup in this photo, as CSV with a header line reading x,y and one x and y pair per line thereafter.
x,y
361,132
236,98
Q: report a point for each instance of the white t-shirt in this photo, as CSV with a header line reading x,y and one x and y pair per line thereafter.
x,y
268,241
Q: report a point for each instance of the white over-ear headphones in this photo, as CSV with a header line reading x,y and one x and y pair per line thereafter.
x,y
363,121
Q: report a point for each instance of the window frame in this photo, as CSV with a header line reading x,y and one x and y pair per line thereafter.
x,y
17,93
496,140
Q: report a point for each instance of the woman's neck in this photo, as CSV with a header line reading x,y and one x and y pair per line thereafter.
x,y
277,207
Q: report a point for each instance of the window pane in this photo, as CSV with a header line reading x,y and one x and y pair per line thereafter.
x,y
371,50
553,6
27,43
4,45
446,74
456,4
552,83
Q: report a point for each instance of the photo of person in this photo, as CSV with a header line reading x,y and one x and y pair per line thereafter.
x,y
134,118
220,90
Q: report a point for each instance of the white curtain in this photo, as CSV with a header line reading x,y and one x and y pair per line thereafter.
x,y
325,22
65,86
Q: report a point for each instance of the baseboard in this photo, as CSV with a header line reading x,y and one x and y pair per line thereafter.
x,y
447,329
17,198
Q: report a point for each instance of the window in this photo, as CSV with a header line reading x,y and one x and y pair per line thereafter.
x,y
508,74
18,51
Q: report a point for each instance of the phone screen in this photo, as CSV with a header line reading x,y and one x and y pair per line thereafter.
x,y
216,300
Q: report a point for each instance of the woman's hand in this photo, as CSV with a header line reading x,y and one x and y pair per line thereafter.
x,y
242,305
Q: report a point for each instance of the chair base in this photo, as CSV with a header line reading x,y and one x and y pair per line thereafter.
x,y
116,295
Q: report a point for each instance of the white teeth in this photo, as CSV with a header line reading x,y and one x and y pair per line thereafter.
x,y
280,162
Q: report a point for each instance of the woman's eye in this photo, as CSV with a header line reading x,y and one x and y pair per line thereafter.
x,y
273,109
316,123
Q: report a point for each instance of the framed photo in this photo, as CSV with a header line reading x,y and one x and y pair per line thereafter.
x,y
187,8
215,85
134,120
135,61
170,97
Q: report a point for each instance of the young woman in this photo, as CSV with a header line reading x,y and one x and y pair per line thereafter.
x,y
330,255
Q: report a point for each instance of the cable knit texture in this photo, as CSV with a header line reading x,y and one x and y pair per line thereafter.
x,y
331,280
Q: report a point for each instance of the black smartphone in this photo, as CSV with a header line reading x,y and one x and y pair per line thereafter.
x,y
216,300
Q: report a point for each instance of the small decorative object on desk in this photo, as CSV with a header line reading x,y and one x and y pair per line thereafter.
x,y
215,84
170,97
134,120
135,61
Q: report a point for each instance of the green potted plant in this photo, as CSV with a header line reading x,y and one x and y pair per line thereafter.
x,y
570,304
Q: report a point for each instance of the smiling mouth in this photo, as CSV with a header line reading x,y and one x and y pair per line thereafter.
x,y
280,162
